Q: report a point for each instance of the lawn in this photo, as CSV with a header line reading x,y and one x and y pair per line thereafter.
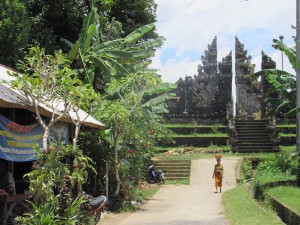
x,y
219,134
194,125
179,181
288,195
286,125
241,209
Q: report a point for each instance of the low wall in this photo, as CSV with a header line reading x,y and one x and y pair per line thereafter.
x,y
197,141
288,215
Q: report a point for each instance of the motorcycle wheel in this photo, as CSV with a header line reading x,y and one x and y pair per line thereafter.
x,y
161,181
97,216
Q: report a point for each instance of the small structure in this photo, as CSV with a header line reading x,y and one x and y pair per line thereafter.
x,y
19,130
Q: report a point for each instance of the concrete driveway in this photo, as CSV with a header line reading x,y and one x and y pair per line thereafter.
x,y
185,204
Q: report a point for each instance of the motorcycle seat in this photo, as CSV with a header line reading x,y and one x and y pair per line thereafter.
x,y
96,202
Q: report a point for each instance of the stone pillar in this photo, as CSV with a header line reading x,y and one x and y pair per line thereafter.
x,y
267,63
247,89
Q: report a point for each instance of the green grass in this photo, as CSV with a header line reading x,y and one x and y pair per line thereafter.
x,y
286,135
194,125
289,149
145,193
179,181
219,134
286,125
241,209
289,196
185,157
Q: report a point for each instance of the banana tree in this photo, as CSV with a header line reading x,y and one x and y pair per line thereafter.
x,y
283,83
112,58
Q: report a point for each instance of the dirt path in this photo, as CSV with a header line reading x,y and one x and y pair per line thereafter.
x,y
185,204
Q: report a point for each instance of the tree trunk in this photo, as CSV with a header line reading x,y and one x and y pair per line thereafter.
x,y
118,187
76,134
45,139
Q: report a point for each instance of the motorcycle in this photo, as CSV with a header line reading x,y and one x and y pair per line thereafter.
x,y
94,206
156,177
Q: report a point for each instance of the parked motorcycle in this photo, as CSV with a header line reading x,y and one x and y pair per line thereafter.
x,y
155,177
94,206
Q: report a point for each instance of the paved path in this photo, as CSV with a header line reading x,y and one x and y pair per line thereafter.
x,y
185,204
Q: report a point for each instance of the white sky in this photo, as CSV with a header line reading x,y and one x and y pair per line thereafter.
x,y
190,25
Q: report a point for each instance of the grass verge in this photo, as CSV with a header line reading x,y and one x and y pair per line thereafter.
x,y
179,181
146,194
219,134
241,209
286,125
194,125
288,195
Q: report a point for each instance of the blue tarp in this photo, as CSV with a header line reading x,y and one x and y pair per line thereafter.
x,y
17,141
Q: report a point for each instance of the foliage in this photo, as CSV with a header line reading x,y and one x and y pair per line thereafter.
x,y
137,14
240,207
283,83
51,20
14,31
130,121
99,60
273,172
52,185
247,169
46,214
50,81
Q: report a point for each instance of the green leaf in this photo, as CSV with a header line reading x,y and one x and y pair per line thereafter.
x,y
289,52
138,33
160,88
158,100
87,22
89,36
74,51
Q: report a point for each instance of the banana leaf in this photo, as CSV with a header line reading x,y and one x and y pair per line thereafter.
x,y
138,33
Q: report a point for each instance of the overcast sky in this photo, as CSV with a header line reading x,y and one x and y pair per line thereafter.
x,y
190,25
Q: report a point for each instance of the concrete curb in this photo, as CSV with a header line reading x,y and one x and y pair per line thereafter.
x,y
238,170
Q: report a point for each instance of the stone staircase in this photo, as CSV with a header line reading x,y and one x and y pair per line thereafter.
x,y
174,169
254,136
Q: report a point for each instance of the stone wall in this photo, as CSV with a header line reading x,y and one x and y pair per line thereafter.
x,y
204,96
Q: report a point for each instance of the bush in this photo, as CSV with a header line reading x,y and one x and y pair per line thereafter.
x,y
274,172
247,170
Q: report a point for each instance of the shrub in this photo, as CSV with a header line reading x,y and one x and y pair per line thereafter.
x,y
247,170
274,172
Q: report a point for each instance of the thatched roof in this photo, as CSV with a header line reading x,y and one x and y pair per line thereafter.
x,y
10,98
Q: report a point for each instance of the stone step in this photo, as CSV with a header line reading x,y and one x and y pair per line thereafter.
x,y
250,137
175,170
176,178
251,133
251,121
255,147
171,164
171,161
246,150
250,125
254,144
177,174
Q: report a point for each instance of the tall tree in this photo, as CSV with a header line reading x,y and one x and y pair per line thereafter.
x,y
134,14
14,31
51,20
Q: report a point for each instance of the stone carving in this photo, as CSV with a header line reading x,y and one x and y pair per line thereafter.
x,y
247,87
205,95
267,63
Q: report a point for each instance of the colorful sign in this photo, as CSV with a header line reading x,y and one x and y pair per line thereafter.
x,y
17,141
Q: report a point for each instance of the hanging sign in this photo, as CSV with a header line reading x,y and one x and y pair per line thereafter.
x,y
17,141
